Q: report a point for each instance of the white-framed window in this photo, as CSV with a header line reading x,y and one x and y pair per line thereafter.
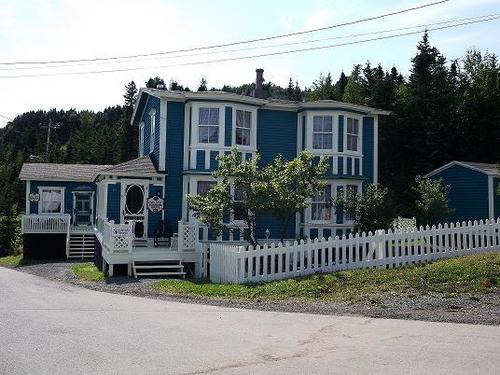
x,y
208,124
203,187
321,206
152,114
322,132
141,139
51,200
239,206
352,134
243,127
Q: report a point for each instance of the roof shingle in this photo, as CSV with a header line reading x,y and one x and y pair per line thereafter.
x,y
60,172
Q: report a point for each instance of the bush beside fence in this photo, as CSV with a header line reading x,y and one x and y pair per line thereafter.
x,y
240,264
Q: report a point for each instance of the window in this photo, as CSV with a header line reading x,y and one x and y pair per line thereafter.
x,y
322,133
51,200
321,205
208,125
141,139
153,129
239,204
350,190
352,134
204,187
243,127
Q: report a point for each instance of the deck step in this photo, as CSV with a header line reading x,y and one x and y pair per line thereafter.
x,y
160,267
81,246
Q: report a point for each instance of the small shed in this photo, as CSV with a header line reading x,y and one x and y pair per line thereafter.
x,y
473,190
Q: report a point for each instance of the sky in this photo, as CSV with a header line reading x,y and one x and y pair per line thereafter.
x,y
44,30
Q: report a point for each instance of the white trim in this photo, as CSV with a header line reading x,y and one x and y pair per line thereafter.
x,y
28,203
359,152
375,152
63,192
309,132
163,134
461,164
253,130
194,124
491,198
152,130
92,215
141,139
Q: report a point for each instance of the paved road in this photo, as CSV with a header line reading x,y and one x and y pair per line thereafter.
x,y
52,328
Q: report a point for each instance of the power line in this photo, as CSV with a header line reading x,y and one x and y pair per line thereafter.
x,y
249,56
449,21
302,32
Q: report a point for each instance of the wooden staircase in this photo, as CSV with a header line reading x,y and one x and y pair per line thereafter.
x,y
81,246
158,268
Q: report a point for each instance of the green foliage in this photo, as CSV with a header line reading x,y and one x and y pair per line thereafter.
x,y
282,189
470,275
371,209
433,200
10,230
87,272
291,184
214,207
203,84
11,260
153,83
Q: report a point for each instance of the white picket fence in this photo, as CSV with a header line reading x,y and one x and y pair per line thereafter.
x,y
240,264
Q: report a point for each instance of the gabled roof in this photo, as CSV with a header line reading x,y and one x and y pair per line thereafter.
x,y
60,172
140,167
183,96
489,169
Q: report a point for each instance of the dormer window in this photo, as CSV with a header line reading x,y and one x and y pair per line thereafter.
x,y
208,125
352,134
243,127
152,114
322,132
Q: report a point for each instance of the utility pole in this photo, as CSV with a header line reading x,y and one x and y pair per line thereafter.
x,y
50,126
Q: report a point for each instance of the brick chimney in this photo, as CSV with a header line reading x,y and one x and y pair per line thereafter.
x,y
259,80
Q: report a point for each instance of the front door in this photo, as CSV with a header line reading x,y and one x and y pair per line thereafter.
x,y
134,208
83,211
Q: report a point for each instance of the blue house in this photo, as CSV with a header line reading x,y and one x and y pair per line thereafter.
x,y
180,136
473,190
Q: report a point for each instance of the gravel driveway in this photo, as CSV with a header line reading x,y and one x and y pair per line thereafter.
x,y
481,309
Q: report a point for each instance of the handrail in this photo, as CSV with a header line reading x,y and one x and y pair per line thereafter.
x,y
50,223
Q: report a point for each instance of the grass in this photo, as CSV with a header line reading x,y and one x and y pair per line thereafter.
x,y
450,277
87,272
11,260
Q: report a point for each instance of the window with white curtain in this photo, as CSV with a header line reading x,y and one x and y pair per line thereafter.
x,y
243,127
321,206
322,132
208,125
51,200
352,134
153,130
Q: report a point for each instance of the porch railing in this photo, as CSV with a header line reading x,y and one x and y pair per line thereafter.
x,y
116,238
45,223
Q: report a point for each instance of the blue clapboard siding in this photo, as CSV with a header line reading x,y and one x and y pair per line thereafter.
x,y
174,161
113,207
468,193
368,148
154,218
276,134
214,163
152,103
341,133
200,159
69,188
228,136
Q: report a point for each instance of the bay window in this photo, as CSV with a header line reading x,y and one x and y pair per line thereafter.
x,y
243,127
204,187
208,125
321,205
352,134
51,200
322,132
239,204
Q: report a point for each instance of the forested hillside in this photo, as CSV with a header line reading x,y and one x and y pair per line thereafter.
x,y
444,110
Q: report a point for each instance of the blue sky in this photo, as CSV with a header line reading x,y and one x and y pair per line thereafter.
x,y
46,30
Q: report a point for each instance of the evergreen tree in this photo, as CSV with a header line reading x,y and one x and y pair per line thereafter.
x,y
203,84
354,90
153,83
130,95
340,86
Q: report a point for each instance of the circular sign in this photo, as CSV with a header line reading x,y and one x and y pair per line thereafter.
x,y
34,197
155,204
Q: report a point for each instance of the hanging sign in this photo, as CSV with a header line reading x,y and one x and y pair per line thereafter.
x,y
155,204
121,231
34,197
